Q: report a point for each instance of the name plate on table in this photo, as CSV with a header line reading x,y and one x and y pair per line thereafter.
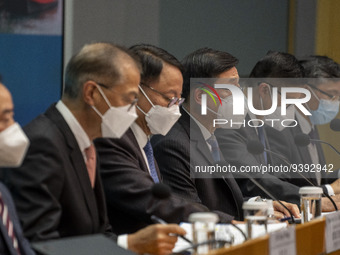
x,y
332,232
283,242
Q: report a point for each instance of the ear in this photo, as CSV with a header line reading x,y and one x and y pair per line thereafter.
x,y
198,96
90,93
264,89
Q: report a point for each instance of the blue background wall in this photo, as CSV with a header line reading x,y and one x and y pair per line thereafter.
x,y
31,66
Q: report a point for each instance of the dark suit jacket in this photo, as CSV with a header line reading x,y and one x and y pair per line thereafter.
x,y
127,185
6,246
177,154
233,144
299,155
51,189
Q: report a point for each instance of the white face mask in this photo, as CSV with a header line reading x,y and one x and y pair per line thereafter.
x,y
116,120
225,111
276,118
160,119
13,146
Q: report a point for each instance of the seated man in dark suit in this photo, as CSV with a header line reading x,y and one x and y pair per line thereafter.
x,y
322,81
127,165
13,146
234,142
57,190
191,142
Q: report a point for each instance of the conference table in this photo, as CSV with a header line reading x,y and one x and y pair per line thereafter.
x,y
310,239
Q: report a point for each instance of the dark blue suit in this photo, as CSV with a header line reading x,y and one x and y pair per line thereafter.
x,y
6,246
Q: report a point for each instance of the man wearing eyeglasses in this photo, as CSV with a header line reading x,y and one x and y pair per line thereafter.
x,y
57,190
323,82
128,167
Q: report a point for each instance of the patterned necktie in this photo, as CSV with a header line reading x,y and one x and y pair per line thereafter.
x,y
91,163
215,149
6,221
263,141
149,155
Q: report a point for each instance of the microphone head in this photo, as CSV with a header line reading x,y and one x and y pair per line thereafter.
x,y
161,191
302,139
255,147
335,125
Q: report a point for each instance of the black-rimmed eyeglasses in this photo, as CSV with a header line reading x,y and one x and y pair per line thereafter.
x,y
322,92
172,101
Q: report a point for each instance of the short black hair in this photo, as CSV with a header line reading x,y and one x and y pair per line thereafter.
x,y
320,67
151,58
205,63
98,62
277,65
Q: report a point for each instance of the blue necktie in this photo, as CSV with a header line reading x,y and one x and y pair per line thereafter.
x,y
263,141
215,150
149,155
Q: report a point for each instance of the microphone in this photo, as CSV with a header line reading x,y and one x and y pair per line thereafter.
x,y
220,243
335,125
253,147
303,140
162,191
256,147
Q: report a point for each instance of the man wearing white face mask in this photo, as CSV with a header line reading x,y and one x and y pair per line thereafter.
x,y
57,190
234,146
191,142
128,167
324,86
233,143
13,146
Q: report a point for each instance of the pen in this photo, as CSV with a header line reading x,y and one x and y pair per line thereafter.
x,y
285,218
161,221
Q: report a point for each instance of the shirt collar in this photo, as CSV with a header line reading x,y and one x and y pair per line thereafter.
x,y
205,132
141,137
306,127
82,138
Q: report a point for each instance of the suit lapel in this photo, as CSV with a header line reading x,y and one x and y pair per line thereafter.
x,y
251,134
199,144
197,141
321,155
141,159
77,159
304,154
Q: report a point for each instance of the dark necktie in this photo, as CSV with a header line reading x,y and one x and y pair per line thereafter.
x,y
263,141
149,155
215,150
6,221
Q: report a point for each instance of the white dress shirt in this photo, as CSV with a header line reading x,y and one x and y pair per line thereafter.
x,y
306,128
142,140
